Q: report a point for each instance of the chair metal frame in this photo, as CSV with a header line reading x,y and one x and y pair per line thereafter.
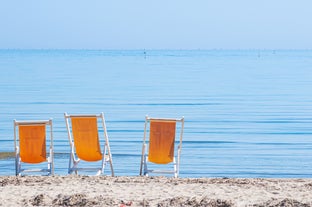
x,y
177,153
50,159
74,159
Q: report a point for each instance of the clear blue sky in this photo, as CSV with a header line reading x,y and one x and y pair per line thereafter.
x,y
158,24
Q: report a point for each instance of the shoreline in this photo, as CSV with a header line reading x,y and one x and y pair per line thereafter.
x,y
72,190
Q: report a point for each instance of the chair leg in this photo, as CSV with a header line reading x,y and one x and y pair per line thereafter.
x,y
145,165
17,161
70,163
175,168
75,166
142,165
104,163
111,166
51,162
50,166
19,166
72,166
99,172
102,169
16,165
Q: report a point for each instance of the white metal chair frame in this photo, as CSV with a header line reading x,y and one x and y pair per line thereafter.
x,y
50,159
74,160
176,157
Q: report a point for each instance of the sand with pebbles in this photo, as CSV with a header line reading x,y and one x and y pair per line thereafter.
x,y
152,191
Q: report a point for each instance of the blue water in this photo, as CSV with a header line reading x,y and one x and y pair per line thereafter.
x,y
248,113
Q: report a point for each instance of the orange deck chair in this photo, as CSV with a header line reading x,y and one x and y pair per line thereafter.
x,y
84,139
30,146
161,145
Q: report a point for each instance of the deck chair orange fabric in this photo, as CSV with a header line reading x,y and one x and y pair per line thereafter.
x,y
83,134
30,145
161,145
86,136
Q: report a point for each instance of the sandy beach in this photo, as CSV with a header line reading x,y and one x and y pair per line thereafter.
x,y
152,191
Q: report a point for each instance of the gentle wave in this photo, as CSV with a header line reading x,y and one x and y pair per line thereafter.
x,y
247,113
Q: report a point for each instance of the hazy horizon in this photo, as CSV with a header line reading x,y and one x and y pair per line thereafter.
x,y
161,49
137,24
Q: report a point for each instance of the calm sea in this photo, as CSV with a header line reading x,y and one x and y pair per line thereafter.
x,y
248,113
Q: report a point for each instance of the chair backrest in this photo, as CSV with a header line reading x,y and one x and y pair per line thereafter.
x,y
161,141
86,138
32,143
